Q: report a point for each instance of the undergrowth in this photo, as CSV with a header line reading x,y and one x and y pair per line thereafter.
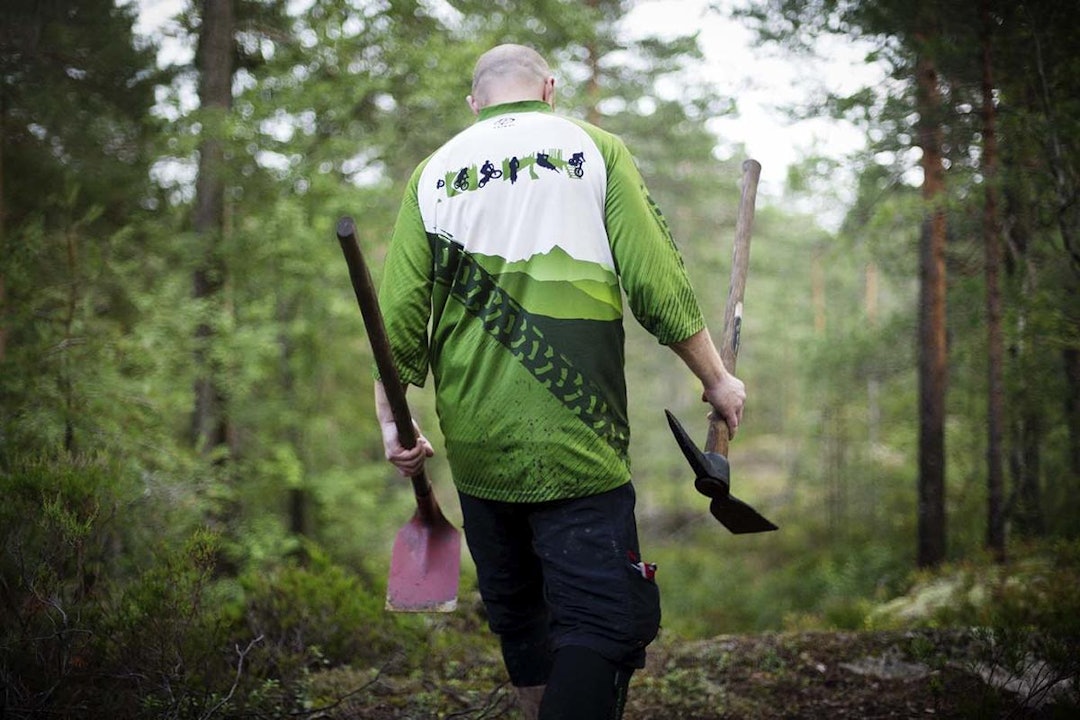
x,y
102,619
90,629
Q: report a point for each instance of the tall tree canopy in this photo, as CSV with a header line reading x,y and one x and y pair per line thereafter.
x,y
937,105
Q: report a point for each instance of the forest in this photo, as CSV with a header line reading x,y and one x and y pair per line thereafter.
x,y
197,515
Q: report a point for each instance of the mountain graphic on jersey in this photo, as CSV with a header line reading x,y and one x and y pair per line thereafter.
x,y
557,285
559,352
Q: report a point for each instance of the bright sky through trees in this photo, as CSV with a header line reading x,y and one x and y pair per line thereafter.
x,y
766,83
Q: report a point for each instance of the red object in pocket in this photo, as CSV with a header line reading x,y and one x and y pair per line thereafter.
x,y
647,570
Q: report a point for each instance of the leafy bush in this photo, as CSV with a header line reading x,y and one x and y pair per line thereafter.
x,y
1024,618
57,532
321,615
97,624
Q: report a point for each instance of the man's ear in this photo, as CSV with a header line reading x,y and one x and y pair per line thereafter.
x,y
549,92
473,105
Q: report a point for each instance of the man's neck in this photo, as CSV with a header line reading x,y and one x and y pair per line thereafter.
x,y
504,98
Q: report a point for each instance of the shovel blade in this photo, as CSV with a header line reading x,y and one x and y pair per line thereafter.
x,y
738,517
425,566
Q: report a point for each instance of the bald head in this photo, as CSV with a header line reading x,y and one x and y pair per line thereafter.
x,y
508,73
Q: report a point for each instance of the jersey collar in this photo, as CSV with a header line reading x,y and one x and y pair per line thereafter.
x,y
521,106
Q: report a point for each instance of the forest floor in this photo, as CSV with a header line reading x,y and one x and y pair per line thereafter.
x,y
863,675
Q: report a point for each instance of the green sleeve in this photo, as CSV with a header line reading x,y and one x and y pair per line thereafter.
x,y
650,267
405,292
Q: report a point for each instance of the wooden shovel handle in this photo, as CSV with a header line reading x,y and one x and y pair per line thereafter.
x,y
380,347
717,440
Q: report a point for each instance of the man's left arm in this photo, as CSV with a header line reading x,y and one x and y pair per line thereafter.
x,y
725,392
658,289
650,267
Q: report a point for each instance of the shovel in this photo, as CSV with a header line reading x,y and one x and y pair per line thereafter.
x,y
426,560
711,468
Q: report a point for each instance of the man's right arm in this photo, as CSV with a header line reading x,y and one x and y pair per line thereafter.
x,y
405,290
404,299
408,461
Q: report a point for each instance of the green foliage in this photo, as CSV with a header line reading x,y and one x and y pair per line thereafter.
x,y
55,546
713,584
76,97
64,619
158,630
115,596
1024,617
1034,591
166,634
324,615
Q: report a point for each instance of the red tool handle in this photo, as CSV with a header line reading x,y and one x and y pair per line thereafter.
x,y
384,361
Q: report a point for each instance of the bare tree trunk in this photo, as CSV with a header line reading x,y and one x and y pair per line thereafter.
x,y
592,83
995,532
1024,505
67,384
1026,466
933,351
209,423
873,382
3,233
817,290
298,499
1071,357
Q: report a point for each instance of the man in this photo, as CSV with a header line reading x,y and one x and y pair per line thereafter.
x,y
514,243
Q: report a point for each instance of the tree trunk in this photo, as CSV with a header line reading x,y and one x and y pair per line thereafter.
x,y
933,352
592,83
209,424
3,233
873,382
298,495
1071,356
995,531
817,290
1024,506
1026,461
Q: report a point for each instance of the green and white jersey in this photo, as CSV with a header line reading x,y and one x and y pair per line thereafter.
x,y
513,246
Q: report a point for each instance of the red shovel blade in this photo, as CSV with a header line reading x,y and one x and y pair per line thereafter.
x,y
425,565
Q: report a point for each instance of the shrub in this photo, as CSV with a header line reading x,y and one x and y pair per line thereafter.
x,y
321,615
57,535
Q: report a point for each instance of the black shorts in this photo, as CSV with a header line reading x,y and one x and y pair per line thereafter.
x,y
569,571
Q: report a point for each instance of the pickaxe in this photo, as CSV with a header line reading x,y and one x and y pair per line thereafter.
x,y
711,467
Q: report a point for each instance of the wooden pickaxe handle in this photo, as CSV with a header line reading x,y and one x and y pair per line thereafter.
x,y
718,438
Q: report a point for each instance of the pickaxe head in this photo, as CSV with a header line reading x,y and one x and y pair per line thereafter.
x,y
713,480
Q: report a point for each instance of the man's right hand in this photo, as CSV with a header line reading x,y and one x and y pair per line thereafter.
x,y
408,461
